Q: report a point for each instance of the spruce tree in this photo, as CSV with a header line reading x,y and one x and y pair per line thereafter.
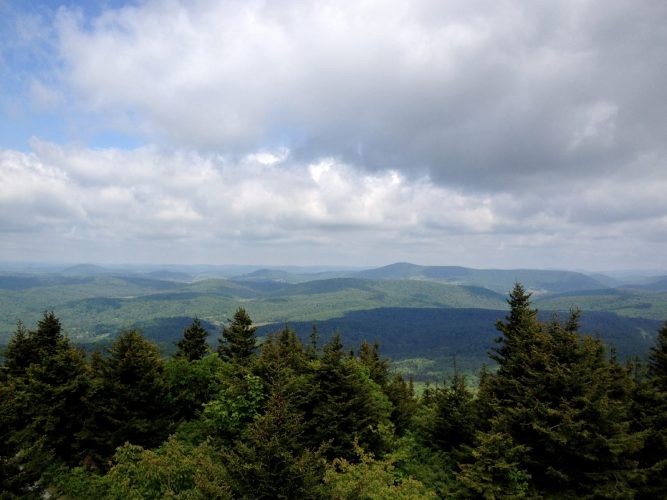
x,y
28,347
49,332
650,415
130,401
238,338
345,404
272,461
21,351
453,417
658,359
369,355
193,345
556,395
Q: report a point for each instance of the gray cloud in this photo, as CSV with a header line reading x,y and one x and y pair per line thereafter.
x,y
180,205
475,132
484,95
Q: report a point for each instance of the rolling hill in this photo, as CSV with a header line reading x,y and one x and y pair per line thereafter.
x,y
421,315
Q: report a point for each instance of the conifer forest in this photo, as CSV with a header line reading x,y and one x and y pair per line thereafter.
x,y
558,415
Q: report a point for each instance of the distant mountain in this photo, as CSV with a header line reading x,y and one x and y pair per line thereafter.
x,y
498,280
607,281
167,275
87,270
400,270
659,285
26,282
284,276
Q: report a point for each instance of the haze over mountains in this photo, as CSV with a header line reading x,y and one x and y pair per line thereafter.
x,y
431,313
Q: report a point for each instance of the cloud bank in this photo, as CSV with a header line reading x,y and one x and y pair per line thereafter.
x,y
481,133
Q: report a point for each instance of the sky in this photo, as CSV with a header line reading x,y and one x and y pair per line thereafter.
x,y
482,133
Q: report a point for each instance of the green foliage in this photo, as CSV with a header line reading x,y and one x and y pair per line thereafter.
x,y
650,417
29,347
44,385
378,367
54,395
404,404
238,338
559,418
129,402
658,359
271,461
234,407
449,420
496,470
558,398
345,406
193,345
369,479
174,470
191,384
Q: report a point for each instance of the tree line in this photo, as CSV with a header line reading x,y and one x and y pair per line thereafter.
x,y
558,417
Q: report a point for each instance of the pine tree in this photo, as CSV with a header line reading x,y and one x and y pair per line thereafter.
x,y
453,417
21,351
272,461
345,404
56,390
129,402
193,345
238,338
650,415
556,395
658,359
403,401
49,332
519,332
369,355
496,470
28,347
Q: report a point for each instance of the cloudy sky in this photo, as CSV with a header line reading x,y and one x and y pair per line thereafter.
x,y
484,133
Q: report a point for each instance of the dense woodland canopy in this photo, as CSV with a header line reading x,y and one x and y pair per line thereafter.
x,y
560,417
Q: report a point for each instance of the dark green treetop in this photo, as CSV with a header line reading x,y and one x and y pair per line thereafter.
x,y
658,358
238,338
193,345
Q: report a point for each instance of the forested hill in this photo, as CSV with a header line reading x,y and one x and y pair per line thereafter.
x,y
560,417
498,280
407,308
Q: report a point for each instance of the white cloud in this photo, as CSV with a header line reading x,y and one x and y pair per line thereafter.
x,y
475,132
187,204
477,93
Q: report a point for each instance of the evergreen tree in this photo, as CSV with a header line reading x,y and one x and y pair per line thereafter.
x,y
496,470
369,355
658,359
452,422
42,400
556,395
193,345
272,462
55,396
130,401
403,401
238,338
283,359
650,416
314,341
21,351
520,332
345,405
49,332
28,347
